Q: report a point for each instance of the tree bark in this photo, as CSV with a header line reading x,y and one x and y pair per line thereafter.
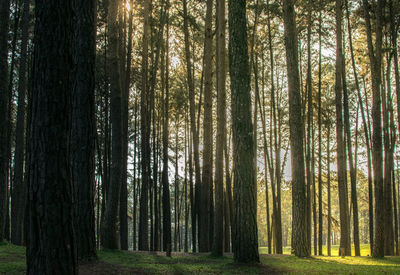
x,y
51,246
245,246
4,123
110,236
375,56
166,208
299,243
341,157
83,128
18,196
221,133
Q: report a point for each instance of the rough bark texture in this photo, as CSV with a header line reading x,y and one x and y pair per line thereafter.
x,y
4,98
83,128
375,56
18,196
110,229
299,244
51,247
220,202
341,156
206,182
245,246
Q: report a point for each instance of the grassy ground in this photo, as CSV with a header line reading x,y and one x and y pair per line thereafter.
x,y
12,261
364,250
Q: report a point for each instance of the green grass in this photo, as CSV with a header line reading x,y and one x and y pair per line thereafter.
x,y
12,261
364,250
154,264
336,265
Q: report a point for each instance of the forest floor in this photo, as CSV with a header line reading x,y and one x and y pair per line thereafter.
x,y
12,261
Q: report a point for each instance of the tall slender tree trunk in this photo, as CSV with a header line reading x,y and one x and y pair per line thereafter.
x,y
18,196
371,225
206,182
245,246
387,138
195,135
320,216
51,246
220,202
110,229
341,157
145,132
123,212
329,222
375,56
299,241
309,126
166,208
353,171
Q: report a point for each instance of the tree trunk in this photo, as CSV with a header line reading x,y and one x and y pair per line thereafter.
x,y
193,127
328,240
83,128
388,198
123,211
320,216
221,133
110,236
353,171
18,196
245,246
375,56
371,224
341,157
145,120
166,208
4,123
299,243
51,246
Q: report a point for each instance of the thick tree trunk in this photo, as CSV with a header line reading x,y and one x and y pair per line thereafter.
x,y
299,241
245,246
83,128
110,229
4,123
18,196
51,246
